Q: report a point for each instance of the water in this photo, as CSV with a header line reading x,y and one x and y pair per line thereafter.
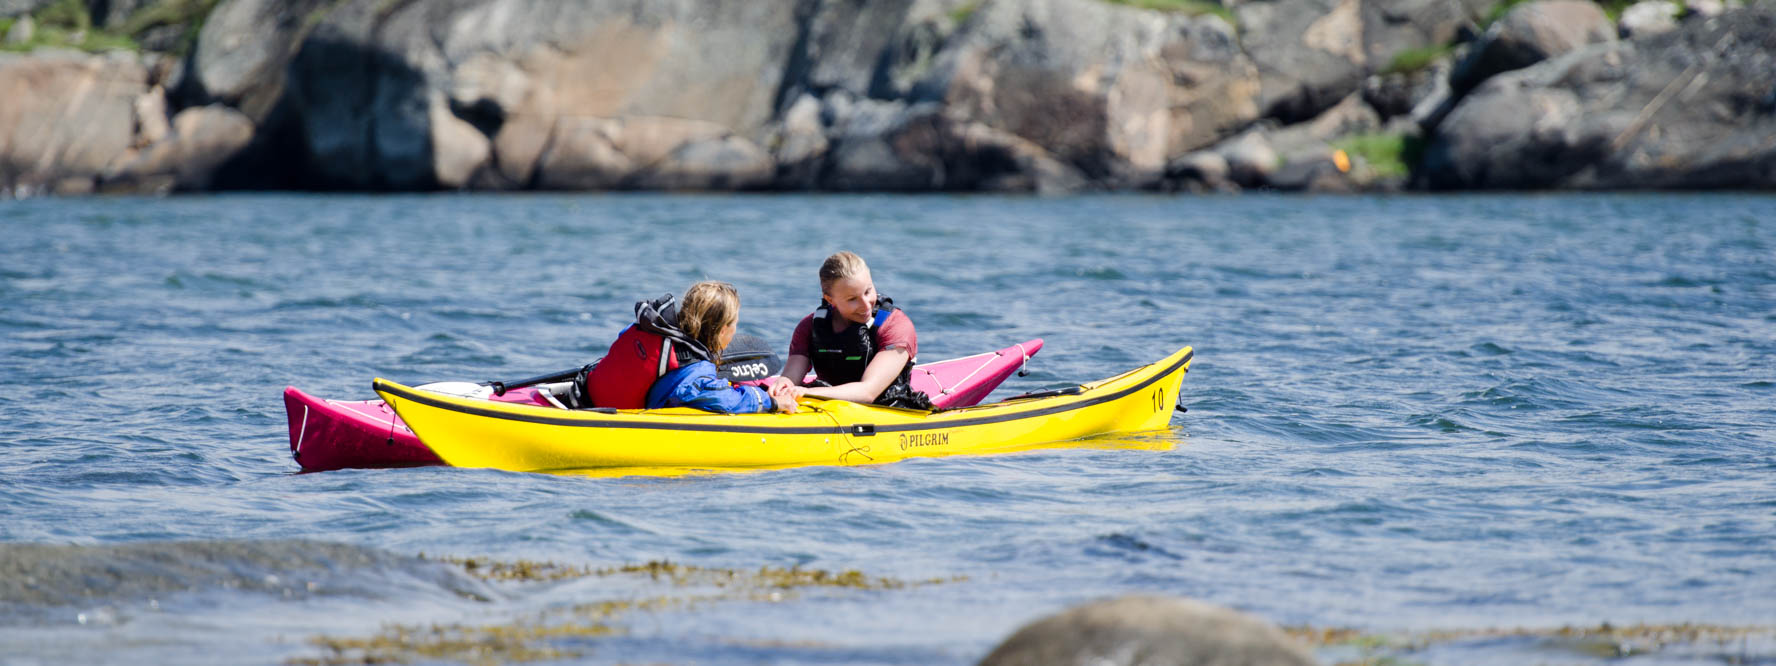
x,y
1406,414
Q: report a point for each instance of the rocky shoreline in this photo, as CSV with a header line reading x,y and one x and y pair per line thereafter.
x,y
1045,96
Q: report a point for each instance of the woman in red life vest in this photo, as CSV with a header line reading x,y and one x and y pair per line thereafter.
x,y
669,357
860,347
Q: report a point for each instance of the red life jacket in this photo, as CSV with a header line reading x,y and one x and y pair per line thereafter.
x,y
622,378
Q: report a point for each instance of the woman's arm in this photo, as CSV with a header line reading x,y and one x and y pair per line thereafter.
x,y
881,372
697,385
794,370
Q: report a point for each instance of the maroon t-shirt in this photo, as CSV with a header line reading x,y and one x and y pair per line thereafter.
x,y
896,332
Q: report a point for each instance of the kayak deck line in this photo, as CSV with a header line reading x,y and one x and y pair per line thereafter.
x,y
396,390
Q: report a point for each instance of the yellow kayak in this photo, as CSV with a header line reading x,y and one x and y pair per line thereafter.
x,y
534,438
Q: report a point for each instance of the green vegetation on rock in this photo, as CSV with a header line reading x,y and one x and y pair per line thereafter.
x,y
964,11
68,24
1186,7
1416,59
558,633
1386,155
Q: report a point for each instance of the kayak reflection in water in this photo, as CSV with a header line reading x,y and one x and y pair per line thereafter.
x,y
670,356
859,345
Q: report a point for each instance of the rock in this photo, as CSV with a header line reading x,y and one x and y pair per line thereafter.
x,y
1395,27
891,146
1319,173
1201,171
726,162
1398,93
459,151
21,31
151,117
1310,53
1645,19
1530,33
203,139
1250,159
1149,630
161,38
926,28
799,145
1350,116
365,78
112,13
1704,8
650,153
11,8
243,50
1692,108
74,186
67,115
1112,92
846,41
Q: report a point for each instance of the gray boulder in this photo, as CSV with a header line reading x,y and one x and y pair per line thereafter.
x,y
1530,33
1250,158
1645,19
201,141
1148,630
890,146
651,153
113,13
371,80
1394,27
21,31
1309,53
1113,92
1693,109
1398,93
12,8
66,117
244,49
1200,172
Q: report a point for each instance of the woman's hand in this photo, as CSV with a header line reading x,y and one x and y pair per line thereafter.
x,y
784,396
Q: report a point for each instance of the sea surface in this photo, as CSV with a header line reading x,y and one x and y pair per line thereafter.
x,y
1449,425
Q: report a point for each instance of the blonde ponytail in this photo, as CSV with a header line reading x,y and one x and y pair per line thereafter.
x,y
842,264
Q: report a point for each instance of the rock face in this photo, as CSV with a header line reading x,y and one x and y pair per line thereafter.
x,y
1149,630
1693,108
373,78
202,140
10,8
112,13
1530,33
1645,19
66,117
1111,91
242,53
1310,53
1314,53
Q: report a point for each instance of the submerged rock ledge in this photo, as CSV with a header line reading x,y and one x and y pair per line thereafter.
x,y
894,95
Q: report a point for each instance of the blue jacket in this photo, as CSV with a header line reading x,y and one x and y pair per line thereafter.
x,y
697,385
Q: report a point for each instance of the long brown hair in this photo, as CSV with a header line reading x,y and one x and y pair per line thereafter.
x,y
707,308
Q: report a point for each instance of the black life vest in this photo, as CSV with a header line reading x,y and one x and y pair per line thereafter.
x,y
839,357
642,353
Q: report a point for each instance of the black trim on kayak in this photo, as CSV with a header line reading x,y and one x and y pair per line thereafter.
x,y
424,399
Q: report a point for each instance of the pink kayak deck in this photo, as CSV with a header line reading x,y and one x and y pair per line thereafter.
x,y
338,434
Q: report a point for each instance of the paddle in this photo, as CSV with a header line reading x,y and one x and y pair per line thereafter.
x,y
747,358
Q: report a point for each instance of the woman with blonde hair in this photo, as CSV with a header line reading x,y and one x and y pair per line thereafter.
x,y
859,345
670,357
